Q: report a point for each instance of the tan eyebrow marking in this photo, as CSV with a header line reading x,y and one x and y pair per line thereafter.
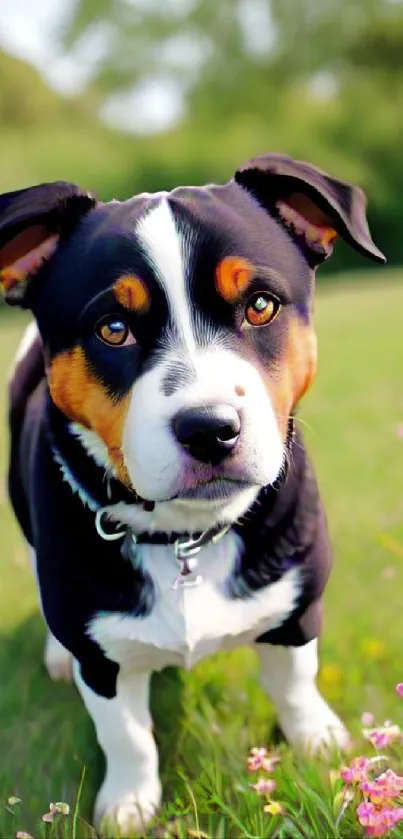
x,y
233,276
132,293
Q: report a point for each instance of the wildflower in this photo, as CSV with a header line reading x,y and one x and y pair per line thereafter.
x,y
399,688
378,820
366,813
264,786
256,758
22,834
61,807
373,648
399,430
270,763
367,718
382,736
384,788
12,800
55,809
356,772
259,758
274,808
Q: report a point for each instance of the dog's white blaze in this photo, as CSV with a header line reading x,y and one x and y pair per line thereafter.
x,y
153,458
187,624
166,249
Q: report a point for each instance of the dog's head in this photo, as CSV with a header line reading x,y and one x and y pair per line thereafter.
x,y
177,327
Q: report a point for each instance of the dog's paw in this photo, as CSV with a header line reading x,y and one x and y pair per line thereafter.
x,y
127,815
58,661
314,728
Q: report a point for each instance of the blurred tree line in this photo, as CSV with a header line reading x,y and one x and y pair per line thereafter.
x,y
318,79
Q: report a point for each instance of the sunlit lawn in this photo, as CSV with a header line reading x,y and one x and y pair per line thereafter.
x,y
218,711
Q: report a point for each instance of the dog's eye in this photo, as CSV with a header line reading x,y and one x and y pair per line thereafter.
x,y
261,308
115,332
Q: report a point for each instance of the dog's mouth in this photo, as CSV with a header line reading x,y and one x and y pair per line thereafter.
x,y
214,489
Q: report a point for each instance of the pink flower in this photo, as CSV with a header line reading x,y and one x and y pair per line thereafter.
x,y
270,763
381,789
256,759
264,786
366,813
367,718
48,817
399,430
399,688
260,759
356,772
59,807
382,736
380,821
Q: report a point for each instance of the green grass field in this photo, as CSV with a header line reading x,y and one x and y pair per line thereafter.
x,y
208,720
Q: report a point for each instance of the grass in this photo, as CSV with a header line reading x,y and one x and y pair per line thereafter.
x,y
208,720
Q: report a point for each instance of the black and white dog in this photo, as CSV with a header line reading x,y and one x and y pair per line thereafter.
x,y
155,471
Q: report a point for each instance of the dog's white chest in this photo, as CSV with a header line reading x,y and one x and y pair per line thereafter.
x,y
187,623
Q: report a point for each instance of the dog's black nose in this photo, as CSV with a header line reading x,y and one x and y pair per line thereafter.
x,y
208,434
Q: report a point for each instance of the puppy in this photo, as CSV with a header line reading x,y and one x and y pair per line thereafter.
x,y
155,470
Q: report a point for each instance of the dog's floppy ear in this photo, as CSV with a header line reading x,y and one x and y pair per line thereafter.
x,y
313,206
32,221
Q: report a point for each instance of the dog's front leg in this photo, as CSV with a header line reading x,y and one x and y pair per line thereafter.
x,y
288,675
131,791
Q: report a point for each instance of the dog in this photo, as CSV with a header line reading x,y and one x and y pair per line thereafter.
x,y
155,470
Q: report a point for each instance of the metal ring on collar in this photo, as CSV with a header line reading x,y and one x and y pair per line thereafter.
x,y
109,537
186,547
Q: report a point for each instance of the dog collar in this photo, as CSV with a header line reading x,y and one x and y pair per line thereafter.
x,y
186,546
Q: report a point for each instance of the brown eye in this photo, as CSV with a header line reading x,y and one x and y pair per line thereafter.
x,y
261,308
114,332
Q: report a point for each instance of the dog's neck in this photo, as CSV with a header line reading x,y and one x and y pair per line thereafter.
x,y
146,521
277,530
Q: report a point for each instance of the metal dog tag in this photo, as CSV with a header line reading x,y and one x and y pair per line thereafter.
x,y
187,576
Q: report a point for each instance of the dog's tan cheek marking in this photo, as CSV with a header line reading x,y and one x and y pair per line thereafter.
x,y
295,371
233,276
131,292
82,398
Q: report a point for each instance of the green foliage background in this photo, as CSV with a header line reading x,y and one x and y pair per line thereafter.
x,y
328,87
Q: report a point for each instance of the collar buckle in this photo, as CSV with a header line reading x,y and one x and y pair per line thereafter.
x,y
185,548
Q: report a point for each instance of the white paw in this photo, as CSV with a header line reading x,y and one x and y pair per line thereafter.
x,y
126,815
58,660
313,727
